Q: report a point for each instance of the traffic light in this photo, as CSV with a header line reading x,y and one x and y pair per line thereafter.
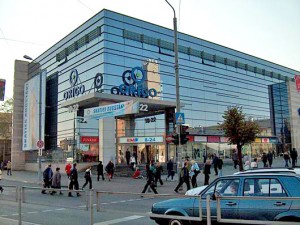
x,y
184,135
175,139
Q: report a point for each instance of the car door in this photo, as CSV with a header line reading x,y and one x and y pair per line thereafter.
x,y
229,208
263,209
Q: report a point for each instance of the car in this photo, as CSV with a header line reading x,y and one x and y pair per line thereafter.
x,y
198,190
271,170
266,185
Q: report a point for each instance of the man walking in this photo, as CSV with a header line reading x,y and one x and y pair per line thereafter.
x,y
74,181
294,156
47,177
100,171
184,178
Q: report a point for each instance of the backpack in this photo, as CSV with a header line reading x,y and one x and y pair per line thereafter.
x,y
87,174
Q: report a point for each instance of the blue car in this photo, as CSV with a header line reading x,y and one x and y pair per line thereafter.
x,y
280,189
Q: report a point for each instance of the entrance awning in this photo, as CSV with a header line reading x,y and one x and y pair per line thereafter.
x,y
154,106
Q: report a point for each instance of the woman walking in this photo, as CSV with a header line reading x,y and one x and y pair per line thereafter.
x,y
110,167
150,180
195,170
88,178
56,181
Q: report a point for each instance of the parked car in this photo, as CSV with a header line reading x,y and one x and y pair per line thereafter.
x,y
198,190
261,184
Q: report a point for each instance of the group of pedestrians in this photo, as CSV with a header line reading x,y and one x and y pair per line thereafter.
x,y
53,181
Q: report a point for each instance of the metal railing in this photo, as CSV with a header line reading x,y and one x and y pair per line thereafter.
x,y
21,198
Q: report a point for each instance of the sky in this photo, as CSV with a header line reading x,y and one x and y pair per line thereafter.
x,y
268,29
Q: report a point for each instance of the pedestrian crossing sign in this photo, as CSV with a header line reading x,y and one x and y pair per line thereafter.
x,y
179,118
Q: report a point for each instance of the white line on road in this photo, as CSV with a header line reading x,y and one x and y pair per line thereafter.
x,y
14,222
129,218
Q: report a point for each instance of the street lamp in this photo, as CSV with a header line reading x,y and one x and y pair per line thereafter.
x,y
177,84
40,121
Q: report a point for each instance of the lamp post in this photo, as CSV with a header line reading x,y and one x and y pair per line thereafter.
x,y
40,122
176,66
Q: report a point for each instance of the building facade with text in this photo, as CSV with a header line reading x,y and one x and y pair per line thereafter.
x,y
113,59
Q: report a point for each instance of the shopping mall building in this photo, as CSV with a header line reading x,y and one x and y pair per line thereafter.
x,y
110,86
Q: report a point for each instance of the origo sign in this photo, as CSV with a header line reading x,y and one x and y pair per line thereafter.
x,y
75,90
133,84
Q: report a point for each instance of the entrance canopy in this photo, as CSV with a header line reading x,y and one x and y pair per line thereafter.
x,y
148,107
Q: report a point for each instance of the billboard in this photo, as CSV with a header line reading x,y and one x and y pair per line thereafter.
x,y
2,89
297,80
31,114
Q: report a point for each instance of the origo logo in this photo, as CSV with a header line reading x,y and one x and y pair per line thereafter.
x,y
75,90
133,84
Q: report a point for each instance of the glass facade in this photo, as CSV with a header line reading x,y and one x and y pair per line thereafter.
x,y
212,77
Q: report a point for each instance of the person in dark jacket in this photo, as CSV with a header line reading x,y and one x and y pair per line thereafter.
x,y
170,169
270,158
184,177
264,159
150,180
88,178
100,171
294,156
127,155
159,170
206,171
110,168
215,163
47,177
74,180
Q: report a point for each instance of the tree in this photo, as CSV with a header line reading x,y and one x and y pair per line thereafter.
x,y
6,122
239,130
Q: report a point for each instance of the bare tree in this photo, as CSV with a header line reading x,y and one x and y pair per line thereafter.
x,y
6,123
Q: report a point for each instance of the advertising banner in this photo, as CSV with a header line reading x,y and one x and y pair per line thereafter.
x,y
89,139
152,139
297,80
200,139
122,108
31,115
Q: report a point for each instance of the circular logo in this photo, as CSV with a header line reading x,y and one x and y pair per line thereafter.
x,y
127,78
98,81
138,75
73,77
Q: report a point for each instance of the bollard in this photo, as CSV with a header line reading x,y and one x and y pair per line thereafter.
x,y
218,209
20,204
208,215
200,208
91,207
98,201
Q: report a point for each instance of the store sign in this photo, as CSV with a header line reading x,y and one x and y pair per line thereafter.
x,y
213,139
265,140
89,139
257,140
200,138
273,140
75,90
132,85
297,80
151,139
122,108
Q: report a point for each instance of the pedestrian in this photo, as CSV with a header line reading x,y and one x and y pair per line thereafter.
x,y
8,166
195,170
132,163
150,180
286,158
127,155
137,174
215,163
270,158
184,178
204,155
264,159
134,154
294,156
110,167
1,188
246,158
68,168
88,178
206,171
235,159
170,169
274,153
247,165
74,181
56,181
220,167
254,164
159,170
47,177
100,171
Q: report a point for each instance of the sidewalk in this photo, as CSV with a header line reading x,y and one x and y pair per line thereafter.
x,y
121,184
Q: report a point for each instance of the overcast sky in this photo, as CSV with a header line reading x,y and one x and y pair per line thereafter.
x,y
268,29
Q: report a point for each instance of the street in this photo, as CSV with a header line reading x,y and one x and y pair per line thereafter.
x,y
122,208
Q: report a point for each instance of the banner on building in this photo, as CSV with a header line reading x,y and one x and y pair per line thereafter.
x,y
33,98
152,139
297,80
122,108
2,89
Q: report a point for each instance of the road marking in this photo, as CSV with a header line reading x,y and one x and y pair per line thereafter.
x,y
13,222
32,212
129,218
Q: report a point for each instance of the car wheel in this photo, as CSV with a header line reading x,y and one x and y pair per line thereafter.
x,y
175,222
